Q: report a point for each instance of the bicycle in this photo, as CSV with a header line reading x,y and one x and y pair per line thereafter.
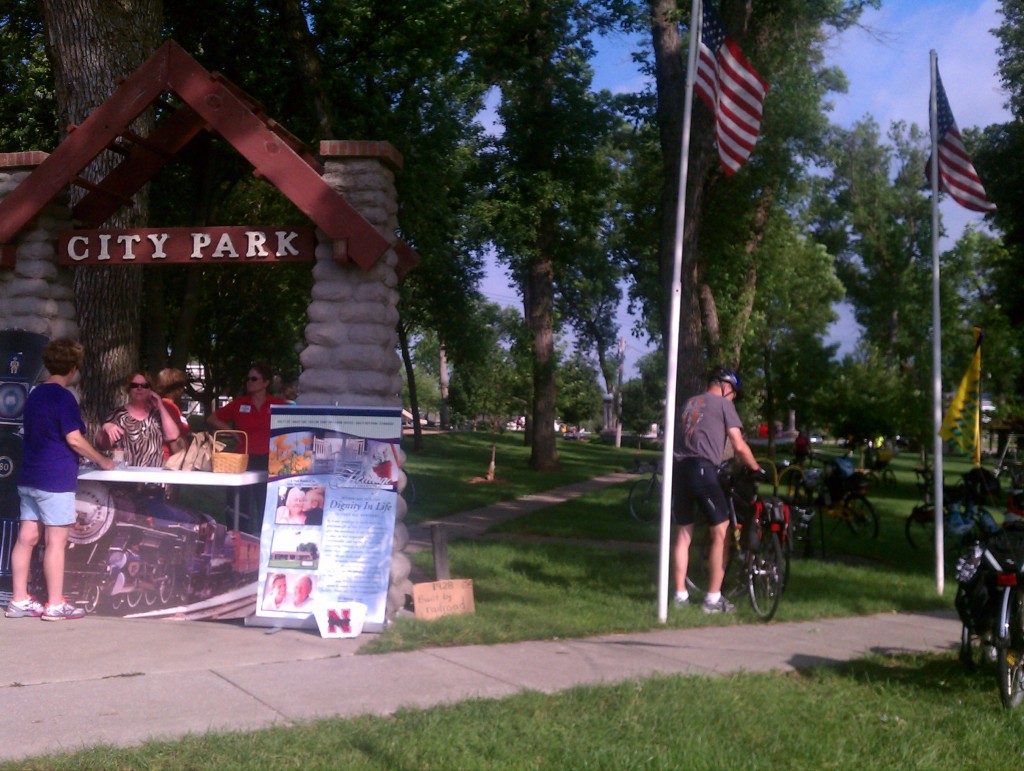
x,y
645,494
839,492
755,558
964,521
990,603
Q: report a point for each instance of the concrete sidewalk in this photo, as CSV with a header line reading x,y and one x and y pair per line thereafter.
x,y
116,681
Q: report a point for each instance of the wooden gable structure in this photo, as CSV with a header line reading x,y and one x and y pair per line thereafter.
x,y
208,102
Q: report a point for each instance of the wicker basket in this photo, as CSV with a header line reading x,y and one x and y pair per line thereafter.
x,y
230,462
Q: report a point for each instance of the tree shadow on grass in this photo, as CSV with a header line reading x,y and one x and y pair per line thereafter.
x,y
912,672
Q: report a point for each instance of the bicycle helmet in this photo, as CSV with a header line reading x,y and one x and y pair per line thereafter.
x,y
723,375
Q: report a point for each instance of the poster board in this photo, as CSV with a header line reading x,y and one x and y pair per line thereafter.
x,y
329,516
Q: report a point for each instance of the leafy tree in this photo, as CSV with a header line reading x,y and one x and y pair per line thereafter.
x,y
786,42
795,295
542,208
996,153
28,113
643,398
877,221
974,269
579,394
864,399
492,384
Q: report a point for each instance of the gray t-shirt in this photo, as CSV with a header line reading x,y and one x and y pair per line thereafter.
x,y
704,426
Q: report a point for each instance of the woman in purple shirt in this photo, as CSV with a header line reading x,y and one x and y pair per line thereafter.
x,y
54,438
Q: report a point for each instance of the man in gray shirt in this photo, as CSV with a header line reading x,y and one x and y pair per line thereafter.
x,y
708,421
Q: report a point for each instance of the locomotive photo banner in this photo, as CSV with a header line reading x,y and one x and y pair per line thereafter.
x,y
329,517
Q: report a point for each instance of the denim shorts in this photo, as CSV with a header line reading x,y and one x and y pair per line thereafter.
x,y
53,509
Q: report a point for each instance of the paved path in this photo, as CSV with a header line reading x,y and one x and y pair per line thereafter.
x,y
117,681
472,524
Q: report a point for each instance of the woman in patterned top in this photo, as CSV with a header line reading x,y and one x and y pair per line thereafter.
x,y
141,426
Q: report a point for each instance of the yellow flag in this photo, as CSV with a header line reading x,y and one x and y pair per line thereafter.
x,y
962,422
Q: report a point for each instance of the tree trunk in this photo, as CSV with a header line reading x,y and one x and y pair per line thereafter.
x,y
91,44
303,49
445,417
670,79
410,376
540,321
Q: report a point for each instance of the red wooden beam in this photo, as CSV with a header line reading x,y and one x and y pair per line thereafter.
x,y
140,166
271,156
72,155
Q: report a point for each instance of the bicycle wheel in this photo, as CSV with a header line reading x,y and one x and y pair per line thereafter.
x,y
645,499
860,516
697,569
920,527
1011,654
765,570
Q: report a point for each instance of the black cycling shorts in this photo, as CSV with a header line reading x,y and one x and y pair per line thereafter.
x,y
696,486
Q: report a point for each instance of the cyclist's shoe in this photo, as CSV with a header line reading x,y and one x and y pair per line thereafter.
x,y
62,612
722,605
681,603
25,609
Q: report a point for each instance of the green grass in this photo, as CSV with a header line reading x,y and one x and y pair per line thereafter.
x,y
910,712
448,472
882,712
586,567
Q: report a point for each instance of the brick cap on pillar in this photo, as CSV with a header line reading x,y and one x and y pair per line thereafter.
x,y
27,159
361,148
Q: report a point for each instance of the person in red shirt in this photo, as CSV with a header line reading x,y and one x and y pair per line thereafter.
x,y
251,414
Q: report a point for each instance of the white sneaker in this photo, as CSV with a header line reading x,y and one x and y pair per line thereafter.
x,y
722,605
62,612
25,609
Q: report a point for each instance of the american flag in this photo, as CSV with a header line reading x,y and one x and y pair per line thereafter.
x,y
732,90
956,172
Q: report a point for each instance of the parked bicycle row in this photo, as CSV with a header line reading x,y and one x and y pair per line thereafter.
x,y
984,540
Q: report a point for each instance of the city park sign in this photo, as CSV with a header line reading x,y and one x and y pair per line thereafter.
x,y
202,246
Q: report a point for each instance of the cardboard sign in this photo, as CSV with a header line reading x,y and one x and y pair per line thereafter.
x,y
443,598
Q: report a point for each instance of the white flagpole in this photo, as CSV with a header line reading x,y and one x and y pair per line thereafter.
x,y
673,328
936,335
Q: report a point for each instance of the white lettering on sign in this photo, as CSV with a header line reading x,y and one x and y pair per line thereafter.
x,y
158,240
104,243
257,244
225,248
181,245
127,242
199,242
73,243
284,243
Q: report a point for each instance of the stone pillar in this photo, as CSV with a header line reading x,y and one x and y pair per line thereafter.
x,y
351,356
37,294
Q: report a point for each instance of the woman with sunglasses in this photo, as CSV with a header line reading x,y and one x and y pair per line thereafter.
x,y
141,426
251,414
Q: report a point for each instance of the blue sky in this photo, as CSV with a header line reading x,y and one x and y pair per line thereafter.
x,y
886,61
